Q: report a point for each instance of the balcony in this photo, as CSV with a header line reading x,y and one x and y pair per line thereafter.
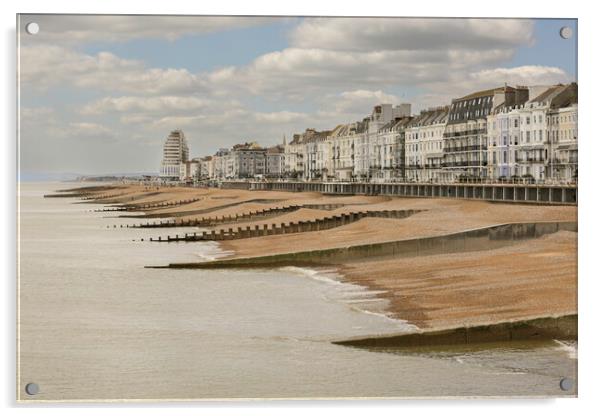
x,y
468,163
465,133
456,149
563,161
530,159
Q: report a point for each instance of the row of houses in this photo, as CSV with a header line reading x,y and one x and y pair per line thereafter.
x,y
502,133
242,161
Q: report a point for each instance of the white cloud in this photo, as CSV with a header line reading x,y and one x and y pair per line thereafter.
x,y
369,34
521,75
361,101
461,84
35,114
171,122
294,70
315,66
89,129
160,104
333,54
76,29
280,117
45,66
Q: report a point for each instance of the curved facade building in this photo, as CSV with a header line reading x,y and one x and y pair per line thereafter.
x,y
175,152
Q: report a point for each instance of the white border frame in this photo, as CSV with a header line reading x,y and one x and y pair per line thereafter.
x,y
590,147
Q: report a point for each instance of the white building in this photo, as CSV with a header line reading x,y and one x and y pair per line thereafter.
x,y
274,161
304,156
175,151
189,170
522,138
315,154
503,135
342,152
206,168
365,139
220,161
245,160
388,153
424,145
465,138
324,159
293,157
361,151
563,131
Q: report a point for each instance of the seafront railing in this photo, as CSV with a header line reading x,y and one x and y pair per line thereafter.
x,y
502,192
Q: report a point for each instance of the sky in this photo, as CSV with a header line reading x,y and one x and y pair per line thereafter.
x,y
99,94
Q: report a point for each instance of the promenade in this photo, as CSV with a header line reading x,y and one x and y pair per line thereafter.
x,y
521,193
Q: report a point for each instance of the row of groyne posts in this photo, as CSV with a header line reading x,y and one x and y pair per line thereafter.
x,y
104,196
160,205
209,221
535,193
285,228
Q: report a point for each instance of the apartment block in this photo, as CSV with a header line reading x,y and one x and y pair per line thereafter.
x,y
465,136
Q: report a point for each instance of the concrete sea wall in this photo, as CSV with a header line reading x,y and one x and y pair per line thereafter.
x,y
521,193
484,238
544,328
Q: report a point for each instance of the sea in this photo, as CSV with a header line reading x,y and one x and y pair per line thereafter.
x,y
95,325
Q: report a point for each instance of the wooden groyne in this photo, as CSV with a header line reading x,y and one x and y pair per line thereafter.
x,y
202,210
142,207
498,192
81,192
318,224
229,219
104,196
485,238
562,327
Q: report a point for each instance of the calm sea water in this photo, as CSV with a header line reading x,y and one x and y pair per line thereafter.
x,y
95,324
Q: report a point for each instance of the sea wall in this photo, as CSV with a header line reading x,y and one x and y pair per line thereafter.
x,y
544,328
503,192
485,238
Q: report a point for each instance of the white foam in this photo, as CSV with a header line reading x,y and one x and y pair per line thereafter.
x,y
364,300
211,251
399,322
321,276
352,294
568,347
360,294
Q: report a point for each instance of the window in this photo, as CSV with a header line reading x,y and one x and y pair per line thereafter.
x,y
528,119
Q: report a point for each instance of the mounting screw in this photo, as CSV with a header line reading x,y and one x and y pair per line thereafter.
x,y
32,389
566,384
32,28
566,32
